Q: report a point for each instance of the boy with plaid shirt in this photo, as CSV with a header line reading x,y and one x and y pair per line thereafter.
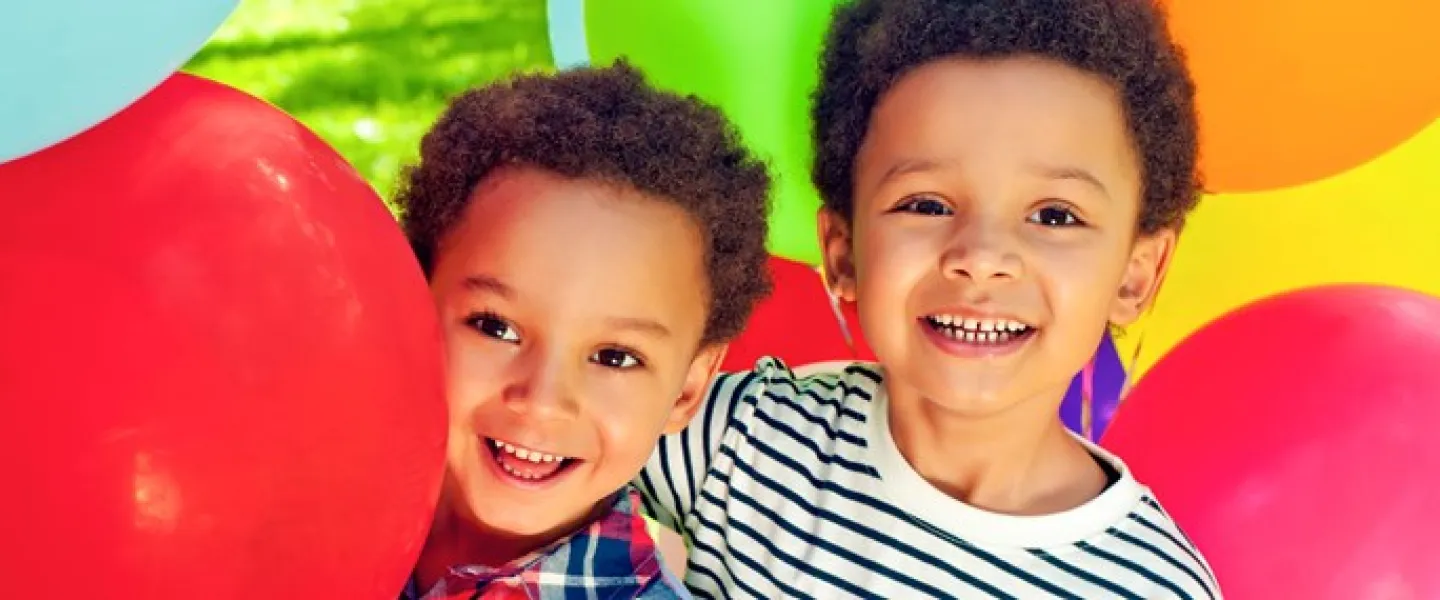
x,y
591,244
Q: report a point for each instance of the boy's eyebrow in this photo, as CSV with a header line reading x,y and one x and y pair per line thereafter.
x,y
1075,173
641,325
908,165
920,165
486,283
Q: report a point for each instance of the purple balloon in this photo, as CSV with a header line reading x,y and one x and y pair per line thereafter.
x,y
1101,383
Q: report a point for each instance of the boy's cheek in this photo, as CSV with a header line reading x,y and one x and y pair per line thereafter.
x,y
630,440
472,379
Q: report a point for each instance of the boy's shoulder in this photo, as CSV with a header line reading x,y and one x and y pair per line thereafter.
x,y
1147,538
622,553
825,387
819,401
842,376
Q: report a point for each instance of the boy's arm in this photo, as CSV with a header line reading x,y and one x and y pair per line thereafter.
x,y
671,480
666,587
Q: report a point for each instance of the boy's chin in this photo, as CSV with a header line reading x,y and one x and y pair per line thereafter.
x,y
522,520
504,510
973,404
969,395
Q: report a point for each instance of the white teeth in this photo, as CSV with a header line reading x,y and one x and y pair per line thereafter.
x,y
979,325
978,331
533,456
511,471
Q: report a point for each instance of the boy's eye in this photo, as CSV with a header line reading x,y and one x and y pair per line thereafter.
x,y
494,327
615,359
1054,216
925,206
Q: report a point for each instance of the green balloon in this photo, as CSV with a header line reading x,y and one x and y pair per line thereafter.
x,y
756,59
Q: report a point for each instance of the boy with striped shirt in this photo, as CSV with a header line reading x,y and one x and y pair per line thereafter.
x,y
1002,181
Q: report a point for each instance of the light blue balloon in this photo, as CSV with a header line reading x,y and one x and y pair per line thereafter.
x,y
566,20
67,65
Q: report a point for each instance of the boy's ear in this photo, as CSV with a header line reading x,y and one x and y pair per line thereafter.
x,y
838,248
703,369
1149,260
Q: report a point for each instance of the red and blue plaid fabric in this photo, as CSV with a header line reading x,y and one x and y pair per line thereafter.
x,y
613,558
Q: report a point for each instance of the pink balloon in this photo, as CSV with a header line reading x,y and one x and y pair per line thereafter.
x,y
1294,440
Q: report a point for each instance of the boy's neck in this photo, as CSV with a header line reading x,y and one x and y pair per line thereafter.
x,y
1020,462
455,541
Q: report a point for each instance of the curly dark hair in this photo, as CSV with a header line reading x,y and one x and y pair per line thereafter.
x,y
872,43
609,125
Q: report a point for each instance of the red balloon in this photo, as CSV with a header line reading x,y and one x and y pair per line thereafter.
x,y
796,323
1294,440
220,374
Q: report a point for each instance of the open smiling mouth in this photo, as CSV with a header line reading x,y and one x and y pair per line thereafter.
x,y
526,465
979,332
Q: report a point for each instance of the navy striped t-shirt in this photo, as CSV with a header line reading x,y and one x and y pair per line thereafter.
x,y
792,487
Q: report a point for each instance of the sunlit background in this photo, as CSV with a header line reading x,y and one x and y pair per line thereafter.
x,y
370,76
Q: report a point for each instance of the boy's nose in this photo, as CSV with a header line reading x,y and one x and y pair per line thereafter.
x,y
542,388
982,252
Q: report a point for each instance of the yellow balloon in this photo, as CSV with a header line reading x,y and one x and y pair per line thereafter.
x,y
1373,224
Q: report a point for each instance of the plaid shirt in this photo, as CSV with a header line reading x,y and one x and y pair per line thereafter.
x,y
613,558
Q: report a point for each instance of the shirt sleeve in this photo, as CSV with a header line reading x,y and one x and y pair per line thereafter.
x,y
671,480
664,587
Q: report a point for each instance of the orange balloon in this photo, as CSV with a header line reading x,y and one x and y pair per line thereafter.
x,y
1290,91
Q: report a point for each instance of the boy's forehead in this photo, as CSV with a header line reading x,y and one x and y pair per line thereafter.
x,y
1036,114
549,241
542,211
